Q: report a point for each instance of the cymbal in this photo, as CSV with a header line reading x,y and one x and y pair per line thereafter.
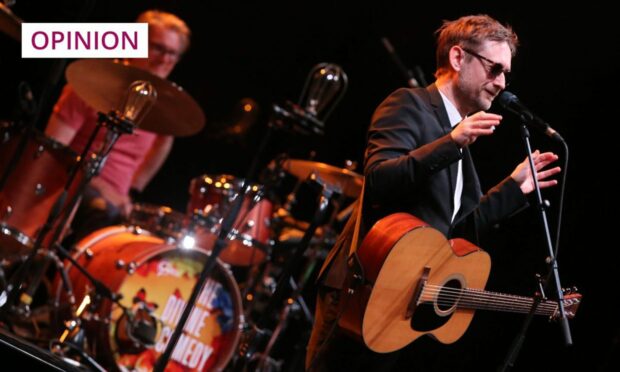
x,y
103,84
9,23
346,181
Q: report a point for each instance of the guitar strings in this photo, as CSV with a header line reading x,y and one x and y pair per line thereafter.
x,y
486,300
474,294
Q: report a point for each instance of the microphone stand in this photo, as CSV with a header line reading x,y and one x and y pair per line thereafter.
x,y
226,231
551,259
410,77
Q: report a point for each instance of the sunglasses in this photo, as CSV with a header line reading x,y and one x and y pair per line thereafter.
x,y
496,68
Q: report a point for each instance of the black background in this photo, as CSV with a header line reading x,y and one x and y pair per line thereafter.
x,y
566,71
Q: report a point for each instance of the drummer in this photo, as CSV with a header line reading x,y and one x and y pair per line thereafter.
x,y
135,158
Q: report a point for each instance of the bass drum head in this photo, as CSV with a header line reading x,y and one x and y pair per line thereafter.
x,y
155,281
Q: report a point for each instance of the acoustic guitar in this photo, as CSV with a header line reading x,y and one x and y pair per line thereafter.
x,y
417,282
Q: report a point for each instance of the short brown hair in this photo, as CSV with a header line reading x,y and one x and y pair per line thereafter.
x,y
470,32
167,20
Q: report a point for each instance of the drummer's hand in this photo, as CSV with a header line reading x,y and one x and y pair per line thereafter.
x,y
120,201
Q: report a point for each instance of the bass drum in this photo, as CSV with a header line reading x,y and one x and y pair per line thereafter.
x,y
155,281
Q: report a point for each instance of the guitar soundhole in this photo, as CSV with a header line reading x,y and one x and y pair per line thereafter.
x,y
448,296
430,315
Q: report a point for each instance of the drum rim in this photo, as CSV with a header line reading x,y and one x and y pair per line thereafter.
x,y
47,141
162,213
16,234
236,181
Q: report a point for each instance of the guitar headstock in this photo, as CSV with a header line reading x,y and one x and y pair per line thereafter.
x,y
571,302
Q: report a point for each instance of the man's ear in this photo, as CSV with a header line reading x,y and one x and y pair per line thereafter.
x,y
456,57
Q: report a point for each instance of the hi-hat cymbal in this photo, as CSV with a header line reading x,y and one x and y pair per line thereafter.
x,y
9,23
103,84
345,181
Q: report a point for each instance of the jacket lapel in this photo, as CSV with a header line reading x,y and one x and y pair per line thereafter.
x,y
444,121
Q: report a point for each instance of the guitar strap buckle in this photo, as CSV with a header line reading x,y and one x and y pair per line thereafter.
x,y
356,273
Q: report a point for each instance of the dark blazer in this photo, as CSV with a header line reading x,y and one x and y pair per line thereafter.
x,y
411,166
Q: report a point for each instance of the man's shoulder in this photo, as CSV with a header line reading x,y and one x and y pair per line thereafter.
x,y
419,97
406,100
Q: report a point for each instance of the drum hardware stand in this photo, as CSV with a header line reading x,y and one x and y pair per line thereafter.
x,y
263,357
73,337
20,275
226,233
223,237
136,104
257,337
60,213
292,117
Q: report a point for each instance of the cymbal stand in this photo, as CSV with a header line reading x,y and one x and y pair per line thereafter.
x,y
73,338
225,234
61,210
256,339
295,298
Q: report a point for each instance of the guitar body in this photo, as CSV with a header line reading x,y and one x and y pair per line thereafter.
x,y
400,255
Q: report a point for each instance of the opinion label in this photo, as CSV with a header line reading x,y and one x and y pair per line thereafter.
x,y
85,40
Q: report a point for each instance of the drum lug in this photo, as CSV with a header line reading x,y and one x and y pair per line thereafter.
x,y
232,235
131,267
8,211
39,189
89,253
40,150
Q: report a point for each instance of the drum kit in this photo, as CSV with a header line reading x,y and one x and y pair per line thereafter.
x,y
114,299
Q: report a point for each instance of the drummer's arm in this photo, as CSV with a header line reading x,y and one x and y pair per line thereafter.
x,y
152,162
59,130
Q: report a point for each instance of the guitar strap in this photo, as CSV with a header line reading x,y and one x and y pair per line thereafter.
x,y
354,278
358,223
353,262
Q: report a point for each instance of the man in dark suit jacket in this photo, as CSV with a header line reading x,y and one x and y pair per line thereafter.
x,y
417,161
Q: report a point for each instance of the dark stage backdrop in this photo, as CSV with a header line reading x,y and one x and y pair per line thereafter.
x,y
565,71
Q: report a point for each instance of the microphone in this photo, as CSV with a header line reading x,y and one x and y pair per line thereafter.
x,y
511,103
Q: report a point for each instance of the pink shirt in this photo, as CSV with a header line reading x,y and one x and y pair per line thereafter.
x,y
126,155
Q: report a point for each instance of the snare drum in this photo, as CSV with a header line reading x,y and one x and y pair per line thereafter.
x,y
150,274
211,198
35,180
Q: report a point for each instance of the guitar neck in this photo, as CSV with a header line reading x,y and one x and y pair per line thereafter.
x,y
476,299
